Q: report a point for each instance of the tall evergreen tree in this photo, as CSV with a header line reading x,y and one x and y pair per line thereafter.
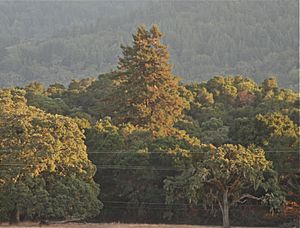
x,y
150,93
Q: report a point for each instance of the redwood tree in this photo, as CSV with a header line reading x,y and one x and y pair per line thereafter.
x,y
149,93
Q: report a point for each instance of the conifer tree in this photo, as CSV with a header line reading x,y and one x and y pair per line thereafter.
x,y
150,93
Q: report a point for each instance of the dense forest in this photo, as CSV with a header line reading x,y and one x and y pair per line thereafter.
x,y
58,41
220,151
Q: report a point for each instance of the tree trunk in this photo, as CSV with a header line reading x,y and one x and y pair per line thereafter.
x,y
14,216
225,210
17,215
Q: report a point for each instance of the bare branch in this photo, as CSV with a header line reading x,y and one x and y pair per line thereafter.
x,y
221,206
244,198
235,183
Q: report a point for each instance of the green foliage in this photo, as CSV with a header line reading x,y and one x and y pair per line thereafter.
x,y
129,161
213,131
55,90
45,171
48,104
216,116
278,131
227,176
35,88
80,39
150,93
145,131
269,84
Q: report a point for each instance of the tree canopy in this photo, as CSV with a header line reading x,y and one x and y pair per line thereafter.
x,y
45,171
160,149
150,92
82,39
225,178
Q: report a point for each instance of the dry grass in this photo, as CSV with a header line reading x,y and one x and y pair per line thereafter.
x,y
101,225
106,225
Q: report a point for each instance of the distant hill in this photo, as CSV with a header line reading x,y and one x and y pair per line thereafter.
x,y
59,41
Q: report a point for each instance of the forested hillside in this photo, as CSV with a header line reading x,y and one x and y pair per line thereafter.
x,y
161,151
56,42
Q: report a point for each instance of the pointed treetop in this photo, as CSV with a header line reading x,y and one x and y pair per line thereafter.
x,y
150,93
155,31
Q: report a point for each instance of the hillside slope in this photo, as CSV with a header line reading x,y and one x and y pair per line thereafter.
x,y
52,41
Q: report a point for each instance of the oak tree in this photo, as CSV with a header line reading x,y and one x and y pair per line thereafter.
x,y
227,177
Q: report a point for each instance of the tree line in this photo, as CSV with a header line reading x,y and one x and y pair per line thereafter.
x,y
160,150
257,39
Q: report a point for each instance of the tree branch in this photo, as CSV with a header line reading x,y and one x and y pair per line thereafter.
x,y
235,183
244,197
221,207
217,182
